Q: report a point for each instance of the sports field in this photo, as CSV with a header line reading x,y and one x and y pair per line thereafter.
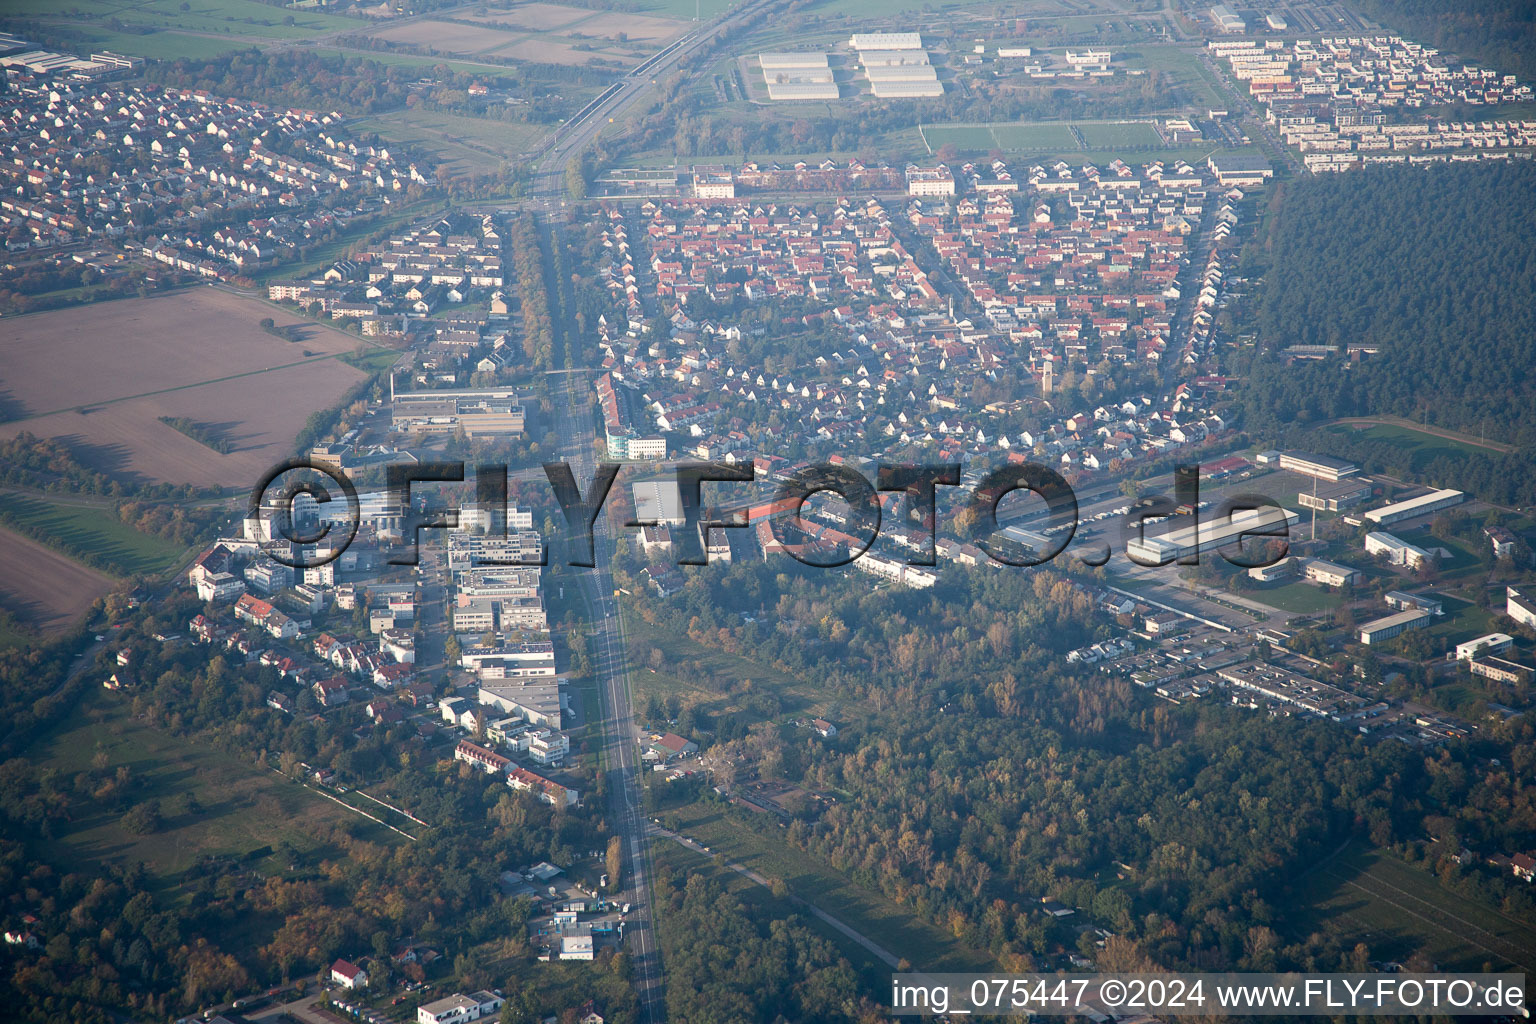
x,y
1042,136
101,376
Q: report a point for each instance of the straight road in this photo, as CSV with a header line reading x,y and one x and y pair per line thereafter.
x,y
620,751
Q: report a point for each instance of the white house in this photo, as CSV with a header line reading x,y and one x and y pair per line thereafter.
x,y
348,975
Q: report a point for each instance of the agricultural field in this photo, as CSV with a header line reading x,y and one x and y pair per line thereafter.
x,y
241,807
540,32
1397,910
162,29
42,588
101,376
93,528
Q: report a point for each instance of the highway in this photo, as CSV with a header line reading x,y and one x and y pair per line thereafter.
x,y
573,137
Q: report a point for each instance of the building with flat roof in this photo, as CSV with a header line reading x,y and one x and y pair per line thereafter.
x,y
1519,606
1422,505
1240,168
1388,626
1227,20
880,74
792,61
1330,574
1324,467
1404,601
1335,497
658,503
1492,643
1397,550
891,58
479,411
713,182
803,89
887,89
1501,670
1208,535
930,181
886,41
1086,59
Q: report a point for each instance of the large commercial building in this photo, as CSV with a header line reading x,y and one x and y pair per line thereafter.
x,y
893,58
1423,505
1227,20
1389,626
537,701
1211,534
481,412
893,89
797,76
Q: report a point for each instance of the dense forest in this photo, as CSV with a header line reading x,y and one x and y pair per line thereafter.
x,y
977,772
1433,267
1500,34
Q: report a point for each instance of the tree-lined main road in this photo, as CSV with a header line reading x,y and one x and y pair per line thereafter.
x,y
620,756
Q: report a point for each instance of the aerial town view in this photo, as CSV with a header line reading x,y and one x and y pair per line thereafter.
x,y
767,511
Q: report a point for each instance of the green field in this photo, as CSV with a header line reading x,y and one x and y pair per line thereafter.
x,y
873,972
78,527
243,807
1135,141
155,45
238,18
1421,447
1302,598
885,922
465,143
729,671
1038,136
1116,134
486,71
683,10
1397,910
